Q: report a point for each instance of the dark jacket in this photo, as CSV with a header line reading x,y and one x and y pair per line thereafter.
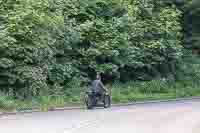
x,y
97,86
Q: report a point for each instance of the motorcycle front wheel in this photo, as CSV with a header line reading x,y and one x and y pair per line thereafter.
x,y
90,102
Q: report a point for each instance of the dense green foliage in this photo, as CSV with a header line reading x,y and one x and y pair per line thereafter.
x,y
193,23
53,46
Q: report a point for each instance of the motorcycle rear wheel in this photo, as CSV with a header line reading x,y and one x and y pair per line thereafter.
x,y
107,101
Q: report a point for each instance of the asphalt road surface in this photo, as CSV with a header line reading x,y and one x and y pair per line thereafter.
x,y
171,117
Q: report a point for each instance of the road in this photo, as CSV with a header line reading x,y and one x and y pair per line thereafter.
x,y
171,117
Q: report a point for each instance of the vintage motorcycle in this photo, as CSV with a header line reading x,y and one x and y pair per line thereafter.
x,y
94,99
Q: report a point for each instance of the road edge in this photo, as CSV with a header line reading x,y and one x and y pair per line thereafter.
x,y
81,107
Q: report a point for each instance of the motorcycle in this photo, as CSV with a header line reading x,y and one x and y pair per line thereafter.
x,y
93,99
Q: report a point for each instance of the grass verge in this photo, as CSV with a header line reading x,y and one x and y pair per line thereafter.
x,y
121,93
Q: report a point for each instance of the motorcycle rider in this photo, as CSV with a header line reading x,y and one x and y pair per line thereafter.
x,y
97,86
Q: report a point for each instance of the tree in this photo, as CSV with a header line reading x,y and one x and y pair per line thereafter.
x,y
46,44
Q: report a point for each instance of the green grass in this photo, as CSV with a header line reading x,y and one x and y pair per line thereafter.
x,y
6,104
141,97
47,102
152,90
121,93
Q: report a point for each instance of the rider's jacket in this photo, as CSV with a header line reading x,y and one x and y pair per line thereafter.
x,y
97,86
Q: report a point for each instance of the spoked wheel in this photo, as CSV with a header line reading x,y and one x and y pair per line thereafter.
x,y
107,101
89,102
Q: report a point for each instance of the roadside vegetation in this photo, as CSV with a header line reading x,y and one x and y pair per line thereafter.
x,y
51,49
